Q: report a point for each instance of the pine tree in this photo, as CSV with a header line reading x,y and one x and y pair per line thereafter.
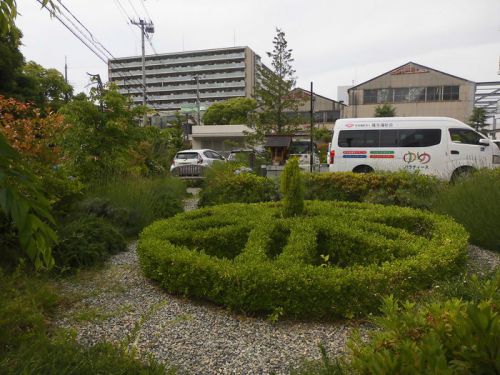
x,y
273,91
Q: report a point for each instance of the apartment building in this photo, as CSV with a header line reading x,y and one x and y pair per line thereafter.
x,y
173,80
414,90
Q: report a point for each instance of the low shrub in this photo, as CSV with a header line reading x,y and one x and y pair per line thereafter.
x,y
452,337
473,202
85,242
225,185
399,188
133,203
336,260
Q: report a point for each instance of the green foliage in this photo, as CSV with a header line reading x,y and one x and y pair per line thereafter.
x,y
478,119
29,346
273,93
471,202
224,185
133,203
385,110
48,86
230,112
452,337
99,143
292,189
12,59
336,260
22,200
85,242
400,188
323,135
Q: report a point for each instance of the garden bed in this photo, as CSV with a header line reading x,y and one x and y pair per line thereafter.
x,y
336,260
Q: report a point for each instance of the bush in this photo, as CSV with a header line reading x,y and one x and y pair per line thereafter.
x,y
400,188
133,203
473,202
85,242
452,337
224,185
336,260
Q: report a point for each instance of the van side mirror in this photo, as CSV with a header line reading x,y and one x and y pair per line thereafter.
x,y
484,142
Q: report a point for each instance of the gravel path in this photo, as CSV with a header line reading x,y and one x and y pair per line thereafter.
x,y
120,305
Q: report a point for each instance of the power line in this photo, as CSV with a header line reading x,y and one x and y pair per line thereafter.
x,y
133,8
143,3
91,43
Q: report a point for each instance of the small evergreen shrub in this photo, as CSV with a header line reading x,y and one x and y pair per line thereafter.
x,y
85,242
336,260
473,202
292,189
400,188
225,185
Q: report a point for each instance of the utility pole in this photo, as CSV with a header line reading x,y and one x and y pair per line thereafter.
x,y
311,149
146,29
65,70
197,79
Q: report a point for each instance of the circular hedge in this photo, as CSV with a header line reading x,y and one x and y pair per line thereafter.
x,y
336,260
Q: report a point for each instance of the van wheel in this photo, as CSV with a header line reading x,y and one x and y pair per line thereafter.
x,y
461,173
363,169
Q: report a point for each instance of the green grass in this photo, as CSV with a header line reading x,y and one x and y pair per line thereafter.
x,y
29,345
474,203
133,203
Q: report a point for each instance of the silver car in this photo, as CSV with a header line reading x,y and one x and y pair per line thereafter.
x,y
205,158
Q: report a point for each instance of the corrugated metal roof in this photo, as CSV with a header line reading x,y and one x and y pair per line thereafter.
x,y
278,141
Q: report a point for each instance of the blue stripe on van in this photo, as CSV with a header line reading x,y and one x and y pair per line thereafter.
x,y
354,156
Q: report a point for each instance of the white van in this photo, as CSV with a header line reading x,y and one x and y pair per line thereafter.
x,y
440,146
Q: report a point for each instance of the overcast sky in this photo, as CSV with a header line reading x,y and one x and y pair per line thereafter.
x,y
334,42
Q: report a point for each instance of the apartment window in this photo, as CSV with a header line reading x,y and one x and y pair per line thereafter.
x,y
384,95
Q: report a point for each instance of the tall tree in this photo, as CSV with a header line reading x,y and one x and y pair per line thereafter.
x,y
273,92
49,90
478,119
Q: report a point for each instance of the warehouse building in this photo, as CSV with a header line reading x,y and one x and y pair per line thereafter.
x,y
174,80
414,90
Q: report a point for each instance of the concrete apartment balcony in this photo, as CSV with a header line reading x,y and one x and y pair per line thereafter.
x,y
162,61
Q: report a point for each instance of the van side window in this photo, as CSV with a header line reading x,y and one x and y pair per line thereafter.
x,y
465,136
419,137
390,138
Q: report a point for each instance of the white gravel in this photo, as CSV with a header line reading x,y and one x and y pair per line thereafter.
x,y
119,305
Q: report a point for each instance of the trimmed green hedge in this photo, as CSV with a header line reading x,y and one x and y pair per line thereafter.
x,y
225,185
398,188
337,260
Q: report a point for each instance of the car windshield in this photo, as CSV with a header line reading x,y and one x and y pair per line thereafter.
x,y
186,155
497,143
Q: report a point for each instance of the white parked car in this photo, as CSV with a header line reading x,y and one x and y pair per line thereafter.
x,y
205,157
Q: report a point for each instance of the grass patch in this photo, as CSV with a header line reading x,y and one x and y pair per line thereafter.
x,y
473,202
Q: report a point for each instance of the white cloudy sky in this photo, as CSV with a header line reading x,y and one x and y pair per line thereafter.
x,y
334,42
